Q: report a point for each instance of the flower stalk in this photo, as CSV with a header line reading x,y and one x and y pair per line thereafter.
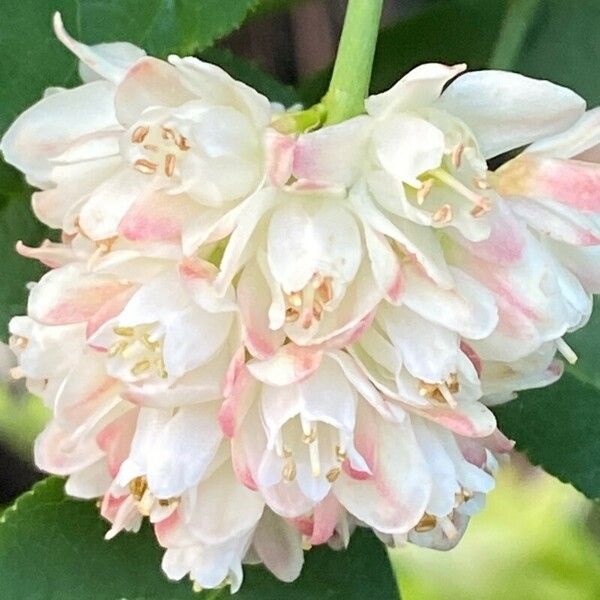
x,y
354,61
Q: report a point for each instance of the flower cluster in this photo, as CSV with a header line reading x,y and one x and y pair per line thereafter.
x,y
261,341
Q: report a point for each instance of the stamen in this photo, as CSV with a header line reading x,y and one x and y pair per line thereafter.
x,y
427,523
182,143
423,191
289,470
295,299
140,367
567,352
139,134
151,147
447,395
138,487
481,183
125,331
117,348
333,474
145,166
457,153
482,204
167,133
340,453
19,341
311,438
291,315
443,215
448,528
170,165
306,545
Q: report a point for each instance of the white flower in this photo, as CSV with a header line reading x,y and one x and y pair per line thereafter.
x,y
138,136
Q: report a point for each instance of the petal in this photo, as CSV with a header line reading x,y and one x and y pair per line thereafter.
x,y
333,155
109,61
506,110
69,295
417,89
394,499
582,137
51,126
279,547
407,146
149,83
289,364
183,450
254,299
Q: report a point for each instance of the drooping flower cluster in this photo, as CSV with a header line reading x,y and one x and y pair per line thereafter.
x,y
261,341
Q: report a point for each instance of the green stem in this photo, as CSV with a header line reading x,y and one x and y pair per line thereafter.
x,y
518,19
352,70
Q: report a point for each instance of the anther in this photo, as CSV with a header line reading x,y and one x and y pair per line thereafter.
x,y
170,165
310,437
456,156
333,474
289,470
151,147
139,134
125,331
443,215
423,191
145,166
140,367
427,523
138,487
117,348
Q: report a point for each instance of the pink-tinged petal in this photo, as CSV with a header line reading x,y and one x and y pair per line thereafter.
x,y
418,88
68,295
109,61
280,157
571,182
108,204
325,519
115,440
157,217
558,221
507,241
109,310
394,499
279,547
122,512
348,336
149,83
290,364
51,254
469,419
249,442
48,128
332,155
475,359
57,451
254,298
240,392
506,110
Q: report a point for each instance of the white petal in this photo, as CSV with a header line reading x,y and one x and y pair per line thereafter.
x,y
506,110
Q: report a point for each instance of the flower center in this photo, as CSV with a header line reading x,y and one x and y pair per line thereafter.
x,y
310,438
308,304
159,147
441,392
143,347
144,499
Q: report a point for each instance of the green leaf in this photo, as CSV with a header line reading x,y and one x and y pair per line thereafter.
x,y
35,60
266,7
562,45
253,75
17,222
52,548
559,427
450,32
